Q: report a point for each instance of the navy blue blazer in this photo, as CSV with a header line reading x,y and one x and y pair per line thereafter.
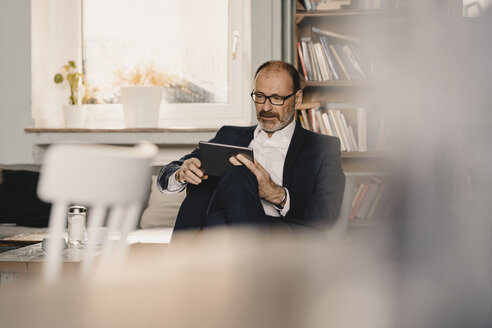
x,y
312,174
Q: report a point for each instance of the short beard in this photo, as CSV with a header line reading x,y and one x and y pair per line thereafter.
x,y
279,125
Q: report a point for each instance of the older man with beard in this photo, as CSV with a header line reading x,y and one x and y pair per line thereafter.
x,y
295,181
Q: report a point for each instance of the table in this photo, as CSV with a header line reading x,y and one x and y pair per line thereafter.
x,y
29,257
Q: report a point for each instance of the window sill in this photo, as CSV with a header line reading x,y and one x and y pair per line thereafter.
x,y
120,130
158,136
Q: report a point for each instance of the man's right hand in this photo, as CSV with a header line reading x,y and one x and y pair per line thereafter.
x,y
190,172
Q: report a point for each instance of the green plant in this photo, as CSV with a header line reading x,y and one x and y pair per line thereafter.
x,y
75,81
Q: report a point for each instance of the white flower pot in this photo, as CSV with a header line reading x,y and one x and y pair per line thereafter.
x,y
141,106
74,116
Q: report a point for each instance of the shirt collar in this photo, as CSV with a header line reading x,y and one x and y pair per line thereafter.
x,y
286,133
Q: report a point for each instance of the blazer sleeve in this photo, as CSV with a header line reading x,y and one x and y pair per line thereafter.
x,y
318,206
166,171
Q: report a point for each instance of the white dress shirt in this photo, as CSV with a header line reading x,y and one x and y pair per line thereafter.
x,y
270,153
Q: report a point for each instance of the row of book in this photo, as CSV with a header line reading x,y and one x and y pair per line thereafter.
x,y
370,201
325,4
348,122
349,4
329,61
333,122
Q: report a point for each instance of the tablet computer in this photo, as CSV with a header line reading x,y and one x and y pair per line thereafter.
x,y
215,157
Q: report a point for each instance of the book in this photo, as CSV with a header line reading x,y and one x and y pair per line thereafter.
x,y
332,5
325,73
329,58
307,4
352,138
301,120
319,119
337,130
343,130
355,63
358,190
326,122
307,60
367,201
355,208
361,129
375,204
339,61
335,35
301,60
314,62
305,118
346,62
313,120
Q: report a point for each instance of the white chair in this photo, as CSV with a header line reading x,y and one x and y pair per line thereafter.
x,y
107,179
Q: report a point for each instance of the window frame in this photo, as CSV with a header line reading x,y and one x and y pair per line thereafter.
x,y
63,35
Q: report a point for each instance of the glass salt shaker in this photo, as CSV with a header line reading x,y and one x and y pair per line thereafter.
x,y
77,233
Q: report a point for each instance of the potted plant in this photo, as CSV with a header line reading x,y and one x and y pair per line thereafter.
x,y
141,92
74,112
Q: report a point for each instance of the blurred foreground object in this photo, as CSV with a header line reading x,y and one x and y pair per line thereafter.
x,y
225,277
102,178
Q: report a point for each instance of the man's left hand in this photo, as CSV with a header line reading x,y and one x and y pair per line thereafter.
x,y
267,189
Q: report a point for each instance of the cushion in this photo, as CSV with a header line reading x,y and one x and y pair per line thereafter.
x,y
162,209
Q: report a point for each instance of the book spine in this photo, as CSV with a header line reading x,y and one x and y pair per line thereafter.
x,y
319,119
356,206
343,129
301,60
314,121
329,58
307,60
354,61
338,133
340,63
325,72
375,204
306,119
327,124
352,138
314,62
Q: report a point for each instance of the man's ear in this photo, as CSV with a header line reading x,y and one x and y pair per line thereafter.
x,y
298,96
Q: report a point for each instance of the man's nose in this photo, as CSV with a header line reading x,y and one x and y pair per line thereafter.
x,y
267,106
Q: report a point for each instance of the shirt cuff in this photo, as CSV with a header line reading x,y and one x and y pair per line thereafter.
x,y
173,185
283,211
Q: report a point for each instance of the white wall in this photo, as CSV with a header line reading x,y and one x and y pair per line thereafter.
x,y
15,81
15,76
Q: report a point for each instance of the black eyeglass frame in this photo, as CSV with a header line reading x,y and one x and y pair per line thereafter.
x,y
284,98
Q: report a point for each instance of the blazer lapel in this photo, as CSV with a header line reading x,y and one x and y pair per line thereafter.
x,y
246,136
294,149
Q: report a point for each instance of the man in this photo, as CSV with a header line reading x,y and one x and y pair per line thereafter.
x,y
295,181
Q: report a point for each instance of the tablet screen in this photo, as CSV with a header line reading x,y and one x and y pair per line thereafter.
x,y
215,157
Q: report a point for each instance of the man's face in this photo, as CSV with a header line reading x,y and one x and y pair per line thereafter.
x,y
273,117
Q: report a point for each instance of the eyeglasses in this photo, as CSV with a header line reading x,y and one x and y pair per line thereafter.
x,y
276,100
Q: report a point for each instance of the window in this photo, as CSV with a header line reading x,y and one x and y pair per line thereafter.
x,y
200,47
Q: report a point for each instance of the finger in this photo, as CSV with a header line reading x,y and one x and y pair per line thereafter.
x,y
191,177
195,170
196,161
249,164
233,160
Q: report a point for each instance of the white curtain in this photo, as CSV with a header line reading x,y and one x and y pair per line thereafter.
x,y
55,39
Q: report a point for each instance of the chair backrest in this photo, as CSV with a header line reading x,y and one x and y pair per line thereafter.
x,y
107,179
340,227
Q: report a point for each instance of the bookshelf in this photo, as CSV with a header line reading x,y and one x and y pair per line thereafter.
x,y
325,91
